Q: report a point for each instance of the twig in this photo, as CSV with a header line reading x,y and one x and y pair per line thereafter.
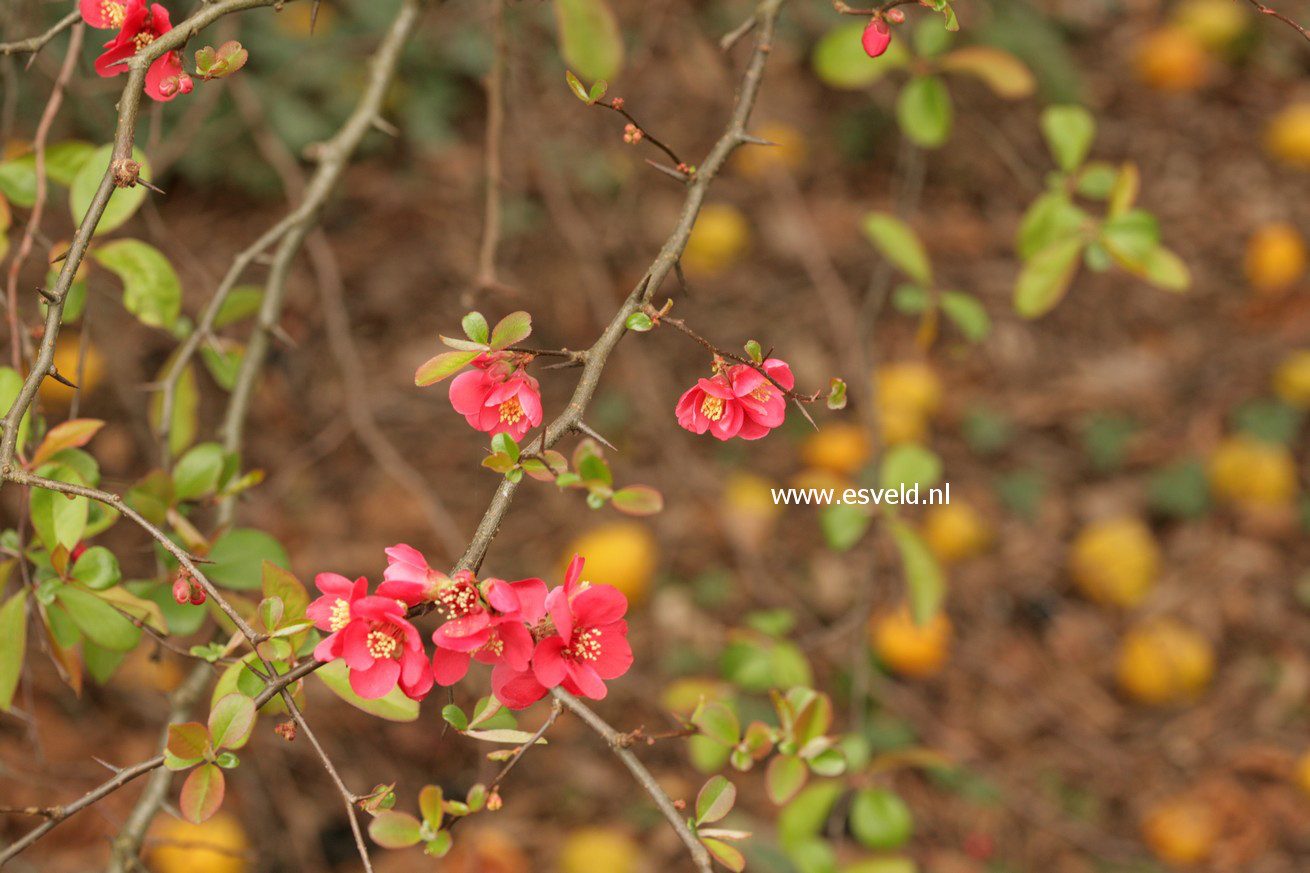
x,y
34,44
1274,13
556,707
617,106
699,854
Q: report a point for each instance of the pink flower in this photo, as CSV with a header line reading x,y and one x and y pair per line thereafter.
x,y
877,36
591,644
494,400
409,575
495,632
372,634
137,26
740,402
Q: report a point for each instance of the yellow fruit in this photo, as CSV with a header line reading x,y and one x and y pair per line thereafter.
x,y
1115,561
486,850
718,239
908,385
1181,831
820,479
749,510
620,553
897,425
955,531
216,846
905,647
294,20
67,353
841,447
1288,136
1302,775
1162,661
1275,258
1171,59
1215,24
1252,473
1292,379
789,151
593,850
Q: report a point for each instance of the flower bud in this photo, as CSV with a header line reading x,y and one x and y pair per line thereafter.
x,y
494,801
181,590
896,16
877,36
197,596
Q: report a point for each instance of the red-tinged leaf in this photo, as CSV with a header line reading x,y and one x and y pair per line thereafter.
x,y
231,721
70,434
13,643
189,740
786,775
999,70
727,855
66,658
717,722
442,366
638,500
576,86
202,793
813,720
715,800
513,328
429,803
395,830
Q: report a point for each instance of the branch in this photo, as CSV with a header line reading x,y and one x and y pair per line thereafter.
x,y
34,44
1274,13
699,855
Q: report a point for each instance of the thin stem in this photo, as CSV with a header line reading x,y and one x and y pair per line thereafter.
x,y
556,707
1274,13
645,134
34,44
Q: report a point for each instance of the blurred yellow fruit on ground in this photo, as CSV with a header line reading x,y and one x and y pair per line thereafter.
x,y
294,20
955,531
1163,661
1171,59
905,647
790,150
217,846
841,447
67,352
1275,257
1215,24
911,385
1115,561
1181,830
810,478
1302,774
1288,136
1252,472
1292,379
620,553
486,850
898,425
593,850
719,238
749,511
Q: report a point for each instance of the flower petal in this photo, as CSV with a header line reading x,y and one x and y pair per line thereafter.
x,y
548,662
448,667
516,689
377,681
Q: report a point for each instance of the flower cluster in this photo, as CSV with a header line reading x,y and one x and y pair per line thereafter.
x,y
138,25
534,639
738,401
498,396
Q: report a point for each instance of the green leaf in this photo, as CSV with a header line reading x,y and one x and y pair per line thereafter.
x,y
784,777
11,384
1180,490
429,804
13,645
840,60
717,722
442,366
455,716
1051,217
880,820
1045,279
1164,269
597,91
909,299
924,111
806,816
64,160
395,830
715,800
967,313
504,735
151,289
923,574
395,706
590,41
639,321
197,472
18,181
97,569
188,741
223,359
837,394
1069,131
504,443
930,39
231,721
1097,180
98,620
513,328
638,500
69,434
186,404
910,464
202,794
238,558
899,244
241,302
475,327
280,583
123,203
725,853
1001,71
1131,236
58,518
843,525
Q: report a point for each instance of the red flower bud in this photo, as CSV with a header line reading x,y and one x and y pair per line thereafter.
x,y
896,16
197,596
181,590
76,553
877,36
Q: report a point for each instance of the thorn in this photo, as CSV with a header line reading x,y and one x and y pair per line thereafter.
x,y
49,298
313,16
284,337
682,279
60,257
108,766
668,171
755,140
805,412
386,127
145,184
583,427
54,374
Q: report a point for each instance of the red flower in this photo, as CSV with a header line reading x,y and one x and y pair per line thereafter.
x,y
494,398
372,634
137,26
495,632
408,574
740,402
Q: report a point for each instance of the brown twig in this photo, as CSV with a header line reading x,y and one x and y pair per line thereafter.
x,y
34,44
1274,13
556,707
645,134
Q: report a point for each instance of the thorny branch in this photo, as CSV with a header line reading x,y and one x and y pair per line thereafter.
x,y
1274,13
34,44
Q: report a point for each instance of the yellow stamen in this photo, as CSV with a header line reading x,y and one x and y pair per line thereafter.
x,y
113,11
586,645
381,645
340,616
511,410
712,407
